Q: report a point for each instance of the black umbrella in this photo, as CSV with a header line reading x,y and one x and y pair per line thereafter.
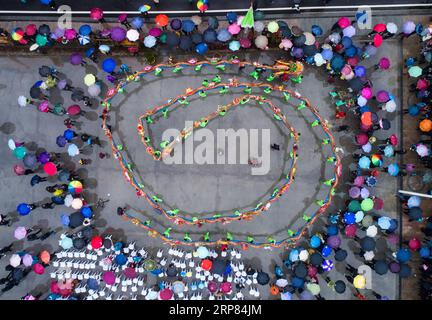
x,y
340,286
107,243
250,271
35,92
76,219
197,38
172,39
380,267
309,50
78,243
263,278
299,41
87,233
385,124
355,84
368,244
186,43
405,271
219,266
44,30
316,259
300,270
17,274
171,271
415,213
77,95
44,71
341,255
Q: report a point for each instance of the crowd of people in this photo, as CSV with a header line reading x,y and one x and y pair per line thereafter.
x,y
218,273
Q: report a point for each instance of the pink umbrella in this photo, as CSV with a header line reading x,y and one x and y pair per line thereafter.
x,y
155,32
96,14
212,286
226,287
38,269
377,40
393,140
384,63
245,43
366,92
350,230
422,84
393,239
378,204
346,70
70,34
362,138
109,277
343,22
354,192
130,273
43,106
312,271
20,233
364,193
19,170
27,260
234,28
382,96
285,44
165,294
54,287
414,244
73,110
359,181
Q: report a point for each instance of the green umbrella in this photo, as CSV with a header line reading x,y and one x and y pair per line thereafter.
x,y
415,71
163,37
41,40
367,204
314,288
354,206
248,20
367,221
20,152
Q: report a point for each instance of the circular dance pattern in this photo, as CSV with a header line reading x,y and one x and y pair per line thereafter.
x,y
148,118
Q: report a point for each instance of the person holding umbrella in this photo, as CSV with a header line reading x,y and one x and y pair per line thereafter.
x,y
5,221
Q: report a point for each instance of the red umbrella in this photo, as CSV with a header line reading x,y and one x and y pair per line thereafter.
x,y
96,14
130,273
343,22
96,242
377,40
166,294
19,170
353,61
226,287
31,30
422,84
206,264
38,268
380,27
245,43
162,20
54,287
393,140
109,277
378,204
384,63
50,168
73,110
312,271
350,230
414,244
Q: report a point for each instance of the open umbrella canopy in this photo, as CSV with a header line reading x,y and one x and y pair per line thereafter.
x,y
78,243
20,233
316,259
341,255
23,209
15,260
262,278
368,244
403,255
66,243
76,219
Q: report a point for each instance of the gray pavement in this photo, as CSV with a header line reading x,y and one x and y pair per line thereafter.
x,y
193,188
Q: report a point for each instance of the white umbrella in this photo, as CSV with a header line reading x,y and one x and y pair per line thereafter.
x,y
11,144
310,39
22,101
361,101
83,40
335,37
261,42
196,19
94,90
281,283
132,35
151,295
15,260
303,255
369,255
73,150
326,46
359,216
390,106
349,31
391,27
77,203
319,60
34,47
259,26
68,200
371,231
202,252
149,41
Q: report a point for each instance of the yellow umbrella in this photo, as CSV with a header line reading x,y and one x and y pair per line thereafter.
x,y
89,79
359,282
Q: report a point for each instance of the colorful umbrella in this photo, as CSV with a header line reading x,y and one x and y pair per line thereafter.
x,y
50,168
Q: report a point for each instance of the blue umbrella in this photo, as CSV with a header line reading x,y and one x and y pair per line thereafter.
x,y
286,296
69,134
327,265
384,223
337,62
413,201
23,209
188,25
64,219
393,226
349,218
29,160
58,200
120,259
316,30
223,35
364,162
46,2
327,54
118,245
347,42
326,251
389,151
185,43
210,36
92,284
294,255
297,282
89,52
231,17
351,51
85,30
108,65
86,212
403,255
306,295
201,48
61,141
315,242
83,40
64,176
176,24
424,252
234,45
393,169
137,22
360,71
332,230
197,38
213,22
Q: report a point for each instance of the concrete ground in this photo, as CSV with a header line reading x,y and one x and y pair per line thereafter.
x,y
225,187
